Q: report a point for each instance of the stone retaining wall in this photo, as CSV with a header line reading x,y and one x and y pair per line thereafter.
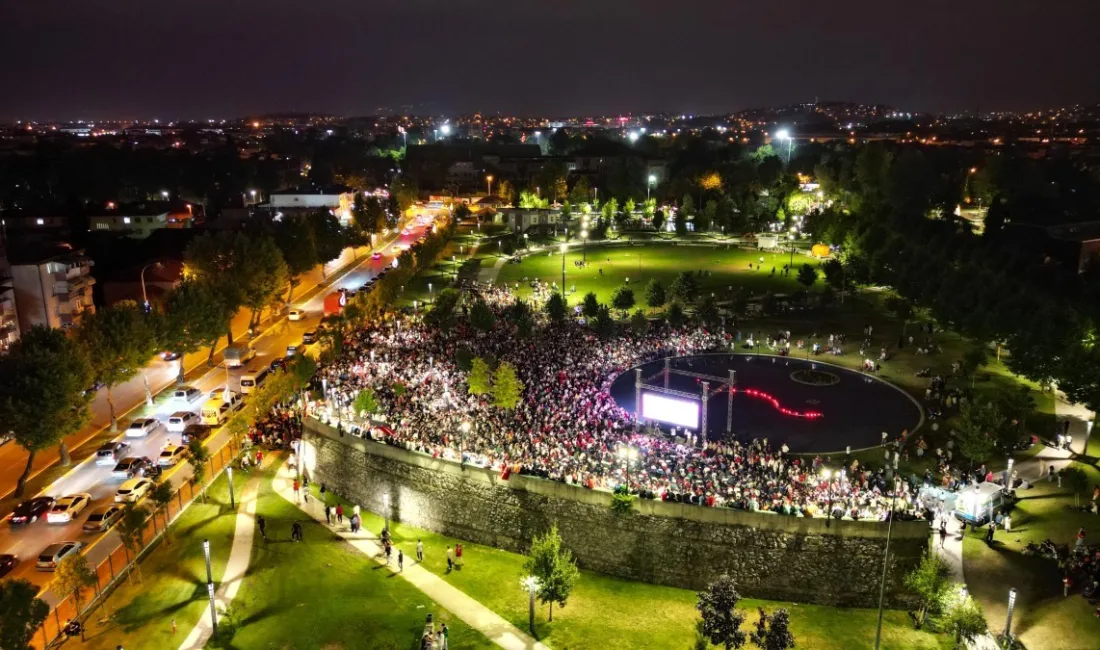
x,y
771,557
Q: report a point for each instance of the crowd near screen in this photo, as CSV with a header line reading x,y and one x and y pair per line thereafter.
x,y
682,413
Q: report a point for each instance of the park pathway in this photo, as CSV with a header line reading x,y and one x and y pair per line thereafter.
x,y
476,615
1032,470
240,555
490,274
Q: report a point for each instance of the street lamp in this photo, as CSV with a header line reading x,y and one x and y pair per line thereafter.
x,y
144,296
210,585
229,475
531,584
430,294
1011,609
164,193
784,134
386,510
826,474
886,562
651,180
584,246
489,180
454,266
564,247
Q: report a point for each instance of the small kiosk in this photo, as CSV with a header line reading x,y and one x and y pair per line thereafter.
x,y
977,503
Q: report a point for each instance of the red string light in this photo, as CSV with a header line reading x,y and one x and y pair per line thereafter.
x,y
752,392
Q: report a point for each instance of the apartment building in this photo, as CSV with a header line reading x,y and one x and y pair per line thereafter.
x,y
52,286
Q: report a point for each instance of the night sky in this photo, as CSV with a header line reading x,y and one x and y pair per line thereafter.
x,y
224,58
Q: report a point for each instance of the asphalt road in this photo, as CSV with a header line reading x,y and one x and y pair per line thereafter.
x,y
27,541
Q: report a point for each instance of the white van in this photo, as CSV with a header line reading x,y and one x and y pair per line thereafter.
x,y
252,380
212,412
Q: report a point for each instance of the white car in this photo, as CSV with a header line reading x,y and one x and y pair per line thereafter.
x,y
132,490
142,427
179,420
171,455
184,395
68,507
295,315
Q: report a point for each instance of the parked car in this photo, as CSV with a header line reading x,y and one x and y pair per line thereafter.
x,y
132,490
142,427
68,507
278,363
29,511
196,431
102,518
109,453
179,420
52,555
171,455
309,337
185,395
169,355
128,467
291,350
7,563
295,315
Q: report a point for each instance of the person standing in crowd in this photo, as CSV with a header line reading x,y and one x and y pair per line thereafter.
x,y
339,513
328,514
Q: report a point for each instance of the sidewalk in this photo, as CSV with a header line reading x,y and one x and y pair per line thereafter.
x,y
239,557
473,613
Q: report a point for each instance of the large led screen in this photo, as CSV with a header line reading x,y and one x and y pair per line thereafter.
x,y
682,412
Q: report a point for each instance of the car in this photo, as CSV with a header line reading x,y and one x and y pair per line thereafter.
x,y
219,393
295,315
128,467
109,452
278,363
179,420
68,507
132,490
402,247
406,232
376,256
52,555
29,511
7,563
102,518
196,432
185,395
309,337
169,355
142,427
171,455
291,350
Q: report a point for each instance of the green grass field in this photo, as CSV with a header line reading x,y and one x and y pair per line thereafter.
x,y
174,579
612,614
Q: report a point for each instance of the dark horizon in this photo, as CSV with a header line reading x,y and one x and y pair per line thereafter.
x,y
131,60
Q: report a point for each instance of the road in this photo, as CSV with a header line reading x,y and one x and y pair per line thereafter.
x,y
27,541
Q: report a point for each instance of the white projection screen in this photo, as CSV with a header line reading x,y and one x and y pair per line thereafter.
x,y
681,412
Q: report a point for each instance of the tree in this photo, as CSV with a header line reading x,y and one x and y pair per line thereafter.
x,y
705,219
21,614
623,299
581,192
604,324
195,317
262,277
555,307
519,314
774,633
901,308
590,306
687,205
480,379
73,578
118,340
42,395
680,222
675,315
684,288
659,220
295,240
404,192
972,359
161,496
507,387
369,216
638,322
197,457
931,582
610,210
628,210
365,401
708,311
964,621
655,294
131,532
975,423
1077,481
554,567
834,274
218,260
329,235
807,275
481,317
718,608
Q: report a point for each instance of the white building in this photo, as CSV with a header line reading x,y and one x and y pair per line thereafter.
x,y
52,286
338,198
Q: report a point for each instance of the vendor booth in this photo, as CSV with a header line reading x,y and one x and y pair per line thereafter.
x,y
976,504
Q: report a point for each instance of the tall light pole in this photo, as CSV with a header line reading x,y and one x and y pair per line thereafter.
x,y
531,584
784,134
649,184
144,297
210,585
886,560
229,475
489,181
564,248
584,246
1011,609
826,474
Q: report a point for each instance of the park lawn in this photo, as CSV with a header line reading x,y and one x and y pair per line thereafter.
x,y
611,613
174,578
662,262
322,593
1044,619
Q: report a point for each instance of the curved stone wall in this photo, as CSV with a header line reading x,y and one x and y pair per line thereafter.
x,y
771,556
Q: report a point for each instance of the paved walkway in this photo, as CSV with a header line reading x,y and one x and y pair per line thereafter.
x,y
1032,470
489,274
240,555
476,615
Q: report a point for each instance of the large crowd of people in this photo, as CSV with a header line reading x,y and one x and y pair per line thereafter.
x,y
568,427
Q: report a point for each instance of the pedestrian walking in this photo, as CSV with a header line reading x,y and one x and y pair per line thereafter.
x,y
339,513
989,532
261,523
419,551
446,637
458,555
389,551
173,627
1007,523
328,514
450,559
943,532
297,489
400,560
